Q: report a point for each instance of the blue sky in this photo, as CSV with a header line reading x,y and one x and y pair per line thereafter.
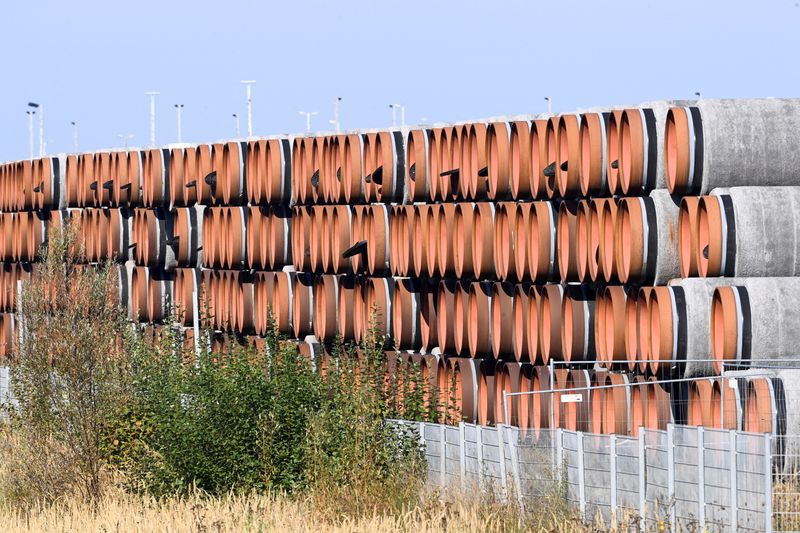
x,y
91,61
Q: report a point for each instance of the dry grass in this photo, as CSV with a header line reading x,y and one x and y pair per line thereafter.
x,y
264,513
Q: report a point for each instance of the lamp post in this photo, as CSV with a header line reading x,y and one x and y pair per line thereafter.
x,y
74,135
30,132
308,115
34,105
178,109
236,124
402,109
152,95
125,139
549,104
248,84
335,120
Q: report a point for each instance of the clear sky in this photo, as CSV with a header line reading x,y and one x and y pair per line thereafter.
x,y
91,61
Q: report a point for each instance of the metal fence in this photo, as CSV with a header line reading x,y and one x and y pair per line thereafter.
x,y
683,479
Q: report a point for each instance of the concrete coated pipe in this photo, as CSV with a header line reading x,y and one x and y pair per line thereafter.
x,y
701,408
188,230
269,172
688,229
598,401
727,405
159,294
475,161
300,238
742,232
263,288
352,171
243,302
646,239
678,333
577,414
463,229
757,319
341,239
610,326
326,299
550,323
205,169
521,224
118,237
50,182
559,382
568,241
378,308
538,158
502,320
155,178
531,325
582,221
616,416
592,154
349,292
728,143
434,168
235,237
387,176
613,152
483,241
8,332
485,375
507,379
177,173
420,250
577,323
407,313
641,157
137,304
445,316
281,302
417,178
597,240
303,305
540,400
443,241
155,236
505,240
428,316
568,184
607,242
404,253
520,160
464,375
377,236
498,156
258,222
460,316
519,328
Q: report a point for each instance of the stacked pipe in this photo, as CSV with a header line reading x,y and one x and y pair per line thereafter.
x,y
547,257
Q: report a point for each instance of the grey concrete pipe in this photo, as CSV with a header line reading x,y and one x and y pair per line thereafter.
x,y
757,319
641,146
748,232
646,239
679,335
716,143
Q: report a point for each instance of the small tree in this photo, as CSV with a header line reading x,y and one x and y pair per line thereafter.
x,y
67,374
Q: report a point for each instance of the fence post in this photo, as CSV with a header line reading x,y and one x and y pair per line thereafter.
x,y
462,454
701,478
671,474
502,453
642,482
734,498
481,466
767,483
513,437
443,452
612,475
559,453
581,477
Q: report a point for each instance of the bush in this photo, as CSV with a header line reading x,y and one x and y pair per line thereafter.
x,y
69,377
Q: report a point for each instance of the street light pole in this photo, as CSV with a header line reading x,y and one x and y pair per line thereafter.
x,y
249,84
549,104
308,115
236,123
402,109
336,113
178,108
152,95
125,139
30,132
74,135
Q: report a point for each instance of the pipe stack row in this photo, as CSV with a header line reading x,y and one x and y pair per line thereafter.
x,y
621,252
